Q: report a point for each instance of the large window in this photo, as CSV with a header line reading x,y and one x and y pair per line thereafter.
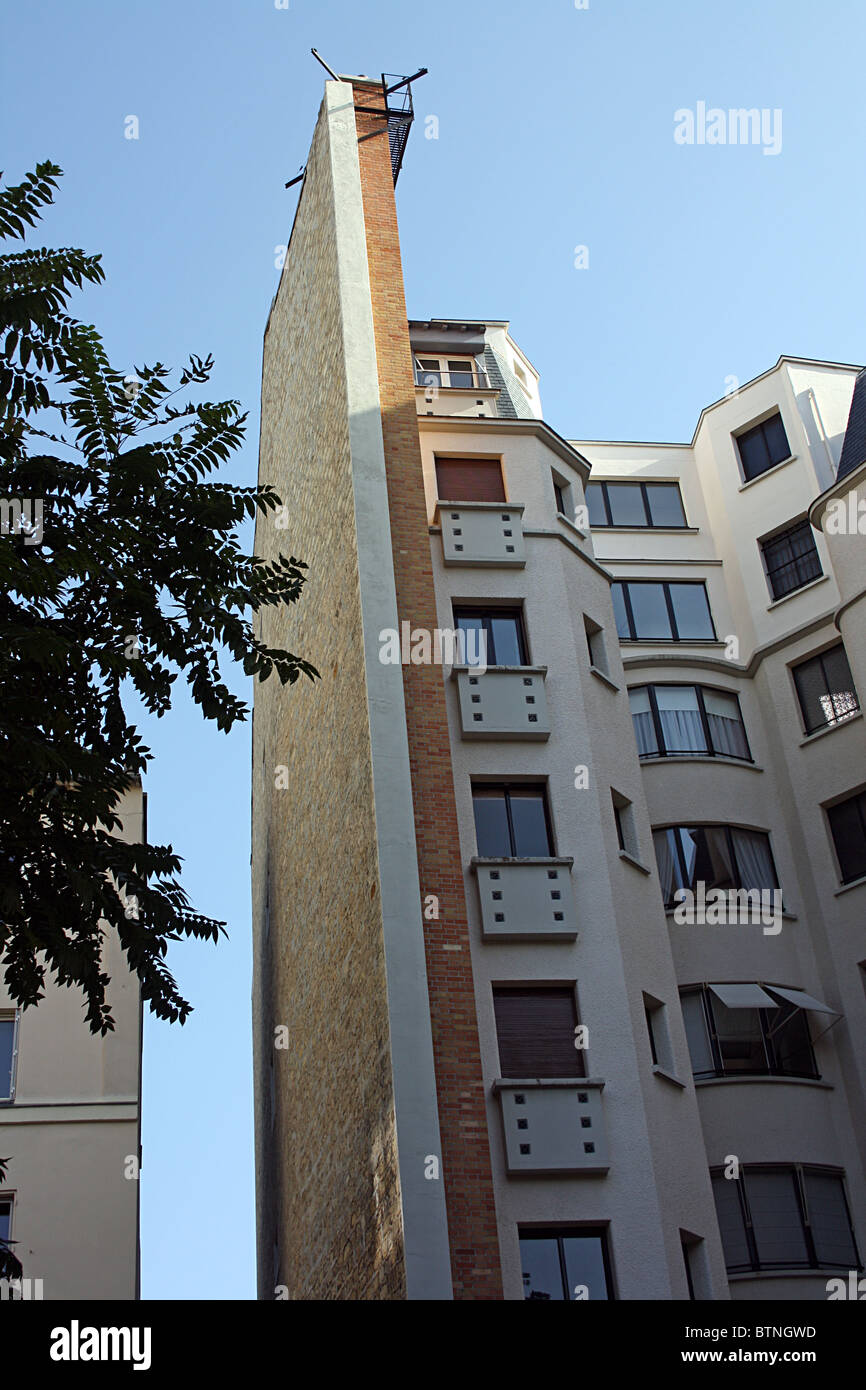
x,y
778,1217
680,719
511,821
469,480
791,559
744,1029
762,447
848,828
635,504
8,1045
455,372
648,610
719,856
565,1264
498,632
535,1028
825,689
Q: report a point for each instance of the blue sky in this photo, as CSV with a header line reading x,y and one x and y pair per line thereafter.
x,y
555,130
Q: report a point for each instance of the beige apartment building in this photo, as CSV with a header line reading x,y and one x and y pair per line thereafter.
x,y
559,871
70,1124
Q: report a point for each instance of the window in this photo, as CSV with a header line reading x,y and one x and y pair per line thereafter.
x,y
791,559
647,610
719,856
825,689
498,632
744,1029
623,816
469,480
511,821
785,1218
762,447
595,645
5,1218
635,504
562,492
848,828
8,1053
661,1051
671,720
454,372
535,1028
561,1264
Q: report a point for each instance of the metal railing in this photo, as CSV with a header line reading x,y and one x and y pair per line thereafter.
x,y
467,380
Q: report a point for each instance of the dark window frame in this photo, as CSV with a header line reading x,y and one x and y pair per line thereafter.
x,y
560,1233
709,751
727,827
799,1171
486,615
649,524
799,563
859,801
506,788
665,585
768,1029
576,1068
818,660
759,430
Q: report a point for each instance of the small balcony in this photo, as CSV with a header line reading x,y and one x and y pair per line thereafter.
x,y
553,1126
526,899
506,702
468,379
483,534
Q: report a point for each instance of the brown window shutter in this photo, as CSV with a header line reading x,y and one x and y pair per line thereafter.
x,y
535,1028
469,480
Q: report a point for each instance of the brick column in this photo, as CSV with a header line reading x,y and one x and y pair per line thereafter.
x,y
475,1261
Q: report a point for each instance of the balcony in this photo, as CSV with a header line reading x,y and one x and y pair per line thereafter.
x,y
482,534
504,702
553,1126
526,899
470,379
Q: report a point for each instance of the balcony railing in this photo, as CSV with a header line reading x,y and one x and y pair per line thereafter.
x,y
526,899
469,380
482,533
553,1125
505,702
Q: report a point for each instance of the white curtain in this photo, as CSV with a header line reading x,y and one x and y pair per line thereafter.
x,y
754,860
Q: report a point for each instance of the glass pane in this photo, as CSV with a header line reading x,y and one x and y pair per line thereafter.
x,y
841,695
691,610
542,1275
707,856
650,610
474,649
731,1223
726,725
584,1264
665,504
680,718
698,1038
776,1222
753,453
5,1219
847,828
754,860
491,824
643,721
740,1039
460,373
7,1037
530,825
792,1043
626,504
776,440
670,874
619,612
828,1215
427,372
506,641
595,505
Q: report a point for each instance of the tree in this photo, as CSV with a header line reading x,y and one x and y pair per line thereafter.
x,y
120,569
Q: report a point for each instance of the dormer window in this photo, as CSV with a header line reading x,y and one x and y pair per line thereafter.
x,y
455,373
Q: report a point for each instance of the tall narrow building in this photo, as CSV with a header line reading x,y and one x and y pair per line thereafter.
x,y
570,695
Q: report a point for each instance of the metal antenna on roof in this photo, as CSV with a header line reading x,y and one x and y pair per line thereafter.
x,y
326,66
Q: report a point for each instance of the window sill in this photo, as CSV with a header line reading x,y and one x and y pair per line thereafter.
x,y
596,671
537,1083
700,758
783,463
550,860
666,1075
813,583
832,728
572,525
672,641
752,1078
664,530
635,863
847,887
786,915
817,1272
